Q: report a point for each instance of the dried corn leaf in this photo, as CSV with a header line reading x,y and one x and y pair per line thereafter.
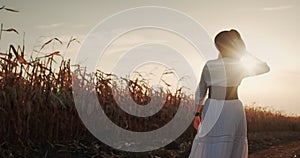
x,y
3,54
21,60
167,84
11,10
53,39
11,30
72,40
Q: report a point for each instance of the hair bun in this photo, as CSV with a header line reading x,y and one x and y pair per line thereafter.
x,y
230,41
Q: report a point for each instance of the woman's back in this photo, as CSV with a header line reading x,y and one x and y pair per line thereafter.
x,y
229,72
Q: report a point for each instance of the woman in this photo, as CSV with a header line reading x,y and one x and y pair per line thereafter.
x,y
222,132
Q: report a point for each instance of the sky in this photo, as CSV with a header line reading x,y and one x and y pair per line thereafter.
x,y
268,27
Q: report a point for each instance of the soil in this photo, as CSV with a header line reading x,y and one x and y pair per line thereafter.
x,y
287,150
261,145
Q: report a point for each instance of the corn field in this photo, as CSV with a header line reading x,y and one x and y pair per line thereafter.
x,y
37,102
37,105
38,114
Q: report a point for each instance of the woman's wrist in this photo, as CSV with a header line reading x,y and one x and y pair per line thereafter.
x,y
197,113
198,109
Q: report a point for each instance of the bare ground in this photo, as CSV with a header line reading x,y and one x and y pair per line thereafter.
x,y
261,145
287,150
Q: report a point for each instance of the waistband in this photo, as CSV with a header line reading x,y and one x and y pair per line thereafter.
x,y
223,93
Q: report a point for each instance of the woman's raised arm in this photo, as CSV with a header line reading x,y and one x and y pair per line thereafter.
x,y
253,66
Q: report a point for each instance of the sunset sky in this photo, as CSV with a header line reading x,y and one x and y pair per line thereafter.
x,y
270,29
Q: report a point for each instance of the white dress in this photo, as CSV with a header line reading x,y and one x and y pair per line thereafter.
x,y
222,132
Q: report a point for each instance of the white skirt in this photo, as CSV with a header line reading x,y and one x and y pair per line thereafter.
x,y
222,132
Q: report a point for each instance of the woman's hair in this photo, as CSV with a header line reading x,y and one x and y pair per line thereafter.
x,y
230,43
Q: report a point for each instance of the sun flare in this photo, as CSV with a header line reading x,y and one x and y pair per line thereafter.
x,y
249,62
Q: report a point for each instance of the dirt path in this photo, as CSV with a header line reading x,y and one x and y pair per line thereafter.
x,y
289,150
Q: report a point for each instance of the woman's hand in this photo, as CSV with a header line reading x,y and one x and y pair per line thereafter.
x,y
197,118
197,121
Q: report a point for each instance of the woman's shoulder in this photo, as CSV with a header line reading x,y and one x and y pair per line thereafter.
x,y
211,64
222,61
214,62
211,61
